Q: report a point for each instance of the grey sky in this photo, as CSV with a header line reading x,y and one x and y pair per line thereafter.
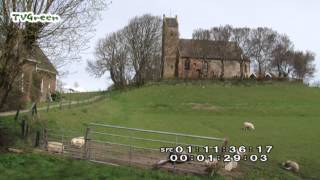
x,y
299,19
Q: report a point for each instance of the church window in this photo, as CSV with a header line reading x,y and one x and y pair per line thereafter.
x,y
187,64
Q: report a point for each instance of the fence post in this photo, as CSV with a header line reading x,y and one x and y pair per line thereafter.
x,y
48,106
62,139
17,115
86,144
60,102
23,127
37,139
45,138
130,150
69,100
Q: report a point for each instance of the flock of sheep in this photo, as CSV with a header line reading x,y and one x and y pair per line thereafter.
x,y
58,147
289,164
211,166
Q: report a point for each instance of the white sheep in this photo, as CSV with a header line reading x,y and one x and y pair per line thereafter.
x,y
230,165
212,163
248,126
211,166
291,166
55,147
77,142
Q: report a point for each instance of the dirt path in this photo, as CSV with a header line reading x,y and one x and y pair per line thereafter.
x,y
11,113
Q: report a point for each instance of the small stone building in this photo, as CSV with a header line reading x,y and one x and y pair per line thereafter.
x,y
37,64
199,59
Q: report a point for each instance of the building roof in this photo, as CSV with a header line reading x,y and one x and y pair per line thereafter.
x,y
171,22
208,49
43,63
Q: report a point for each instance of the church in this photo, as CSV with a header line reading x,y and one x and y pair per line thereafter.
x,y
199,59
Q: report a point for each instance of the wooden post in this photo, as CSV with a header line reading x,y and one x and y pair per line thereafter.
x,y
37,139
45,138
17,115
48,106
86,154
69,100
26,131
60,102
130,150
23,127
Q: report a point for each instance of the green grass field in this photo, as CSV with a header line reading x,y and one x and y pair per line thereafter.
x,y
285,115
38,167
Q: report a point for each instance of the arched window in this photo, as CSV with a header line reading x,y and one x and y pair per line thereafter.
x,y
187,64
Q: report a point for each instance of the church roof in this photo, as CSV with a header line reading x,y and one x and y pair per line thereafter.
x,y
41,59
209,49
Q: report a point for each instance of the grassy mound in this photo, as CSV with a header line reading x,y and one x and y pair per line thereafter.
x,y
285,115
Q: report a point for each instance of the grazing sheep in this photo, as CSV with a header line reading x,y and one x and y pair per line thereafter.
x,y
230,165
55,147
211,166
77,142
291,166
248,126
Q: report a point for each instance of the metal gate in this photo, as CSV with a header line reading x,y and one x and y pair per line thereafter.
x,y
140,147
118,145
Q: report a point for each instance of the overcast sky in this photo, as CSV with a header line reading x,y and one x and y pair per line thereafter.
x,y
299,19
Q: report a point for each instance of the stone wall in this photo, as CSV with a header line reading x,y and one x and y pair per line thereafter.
x,y
197,69
49,81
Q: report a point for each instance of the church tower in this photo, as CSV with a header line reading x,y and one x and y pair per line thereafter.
x,y
170,43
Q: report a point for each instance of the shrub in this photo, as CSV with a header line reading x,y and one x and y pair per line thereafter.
x,y
56,96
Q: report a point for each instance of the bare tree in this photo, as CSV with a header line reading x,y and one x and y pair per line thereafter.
x,y
222,34
303,64
71,33
241,37
261,45
282,55
201,34
143,36
112,55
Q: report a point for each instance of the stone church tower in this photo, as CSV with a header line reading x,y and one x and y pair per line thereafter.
x,y
170,43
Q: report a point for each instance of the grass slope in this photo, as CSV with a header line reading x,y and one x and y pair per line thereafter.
x,y
286,115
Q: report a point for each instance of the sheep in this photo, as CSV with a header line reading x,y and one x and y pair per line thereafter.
x,y
77,142
55,147
230,165
291,166
211,166
248,126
